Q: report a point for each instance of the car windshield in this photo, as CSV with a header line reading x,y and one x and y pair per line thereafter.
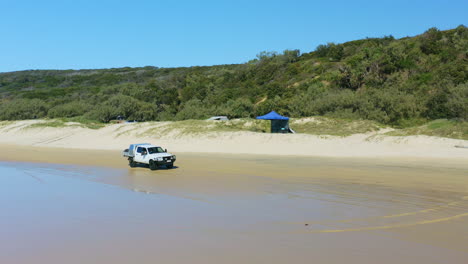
x,y
155,150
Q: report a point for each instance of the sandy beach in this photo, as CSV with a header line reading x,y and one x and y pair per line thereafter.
x,y
231,198
22,141
116,137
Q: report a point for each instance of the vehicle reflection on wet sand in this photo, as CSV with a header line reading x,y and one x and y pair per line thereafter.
x,y
235,210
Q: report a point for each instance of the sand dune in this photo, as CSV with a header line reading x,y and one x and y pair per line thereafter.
x,y
119,136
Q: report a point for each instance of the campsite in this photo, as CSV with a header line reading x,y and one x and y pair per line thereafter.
x,y
279,123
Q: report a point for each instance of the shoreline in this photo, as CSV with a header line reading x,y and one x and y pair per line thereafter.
x,y
401,173
109,157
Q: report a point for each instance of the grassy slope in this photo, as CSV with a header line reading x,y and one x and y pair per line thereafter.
x,y
438,128
391,81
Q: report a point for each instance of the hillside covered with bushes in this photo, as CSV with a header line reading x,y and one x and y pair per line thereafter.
x,y
391,81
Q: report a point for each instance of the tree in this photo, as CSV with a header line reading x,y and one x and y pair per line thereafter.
x,y
264,55
430,41
330,50
291,55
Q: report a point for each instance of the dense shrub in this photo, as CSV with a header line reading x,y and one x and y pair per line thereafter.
x,y
241,107
331,51
457,102
23,109
102,113
193,109
71,109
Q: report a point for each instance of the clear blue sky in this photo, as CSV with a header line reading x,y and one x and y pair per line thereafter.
x,y
66,34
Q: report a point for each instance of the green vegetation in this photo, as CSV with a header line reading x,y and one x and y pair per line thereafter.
x,y
5,123
322,126
187,127
439,128
68,122
333,126
53,123
83,122
398,82
313,126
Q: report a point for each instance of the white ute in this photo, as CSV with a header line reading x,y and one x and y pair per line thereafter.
x,y
145,153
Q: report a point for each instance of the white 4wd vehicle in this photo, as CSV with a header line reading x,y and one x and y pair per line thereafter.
x,y
145,153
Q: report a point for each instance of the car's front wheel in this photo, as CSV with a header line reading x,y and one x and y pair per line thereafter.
x,y
170,166
152,165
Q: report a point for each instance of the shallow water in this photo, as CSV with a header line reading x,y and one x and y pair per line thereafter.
x,y
253,212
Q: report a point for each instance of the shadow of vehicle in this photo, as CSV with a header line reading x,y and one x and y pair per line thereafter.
x,y
162,167
166,168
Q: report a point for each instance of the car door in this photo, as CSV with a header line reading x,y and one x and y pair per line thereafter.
x,y
145,156
139,157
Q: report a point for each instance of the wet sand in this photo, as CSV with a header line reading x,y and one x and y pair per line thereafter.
x,y
80,206
387,171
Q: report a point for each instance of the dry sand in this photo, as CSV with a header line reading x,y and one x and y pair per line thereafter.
x,y
119,136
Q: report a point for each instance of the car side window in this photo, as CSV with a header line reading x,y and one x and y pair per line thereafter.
x,y
139,149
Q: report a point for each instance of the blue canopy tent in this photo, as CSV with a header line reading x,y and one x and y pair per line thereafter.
x,y
279,123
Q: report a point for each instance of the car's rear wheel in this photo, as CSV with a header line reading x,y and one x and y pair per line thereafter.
x,y
131,163
152,165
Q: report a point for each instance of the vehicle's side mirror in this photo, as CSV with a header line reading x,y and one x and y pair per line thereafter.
x,y
165,150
